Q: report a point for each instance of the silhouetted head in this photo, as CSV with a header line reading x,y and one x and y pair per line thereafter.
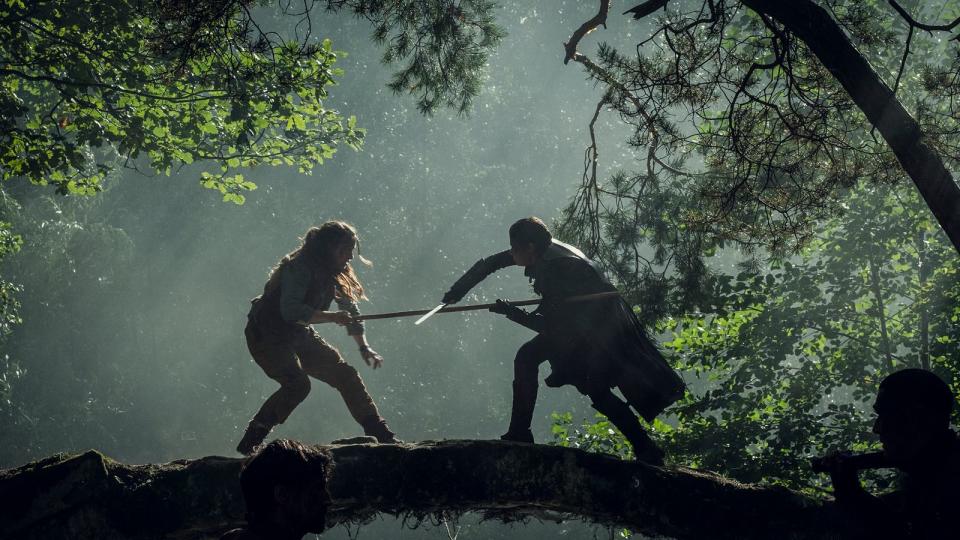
x,y
284,486
330,248
331,244
529,238
913,414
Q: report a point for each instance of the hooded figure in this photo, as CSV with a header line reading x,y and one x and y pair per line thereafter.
x,y
593,345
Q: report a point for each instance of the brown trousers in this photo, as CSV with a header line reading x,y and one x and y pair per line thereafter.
x,y
292,362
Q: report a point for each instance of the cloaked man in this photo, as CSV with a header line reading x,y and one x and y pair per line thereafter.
x,y
593,345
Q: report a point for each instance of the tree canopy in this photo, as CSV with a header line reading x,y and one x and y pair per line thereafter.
x,y
89,86
786,365
752,119
746,132
749,125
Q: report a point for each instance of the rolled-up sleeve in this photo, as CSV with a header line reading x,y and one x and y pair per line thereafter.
x,y
294,282
348,305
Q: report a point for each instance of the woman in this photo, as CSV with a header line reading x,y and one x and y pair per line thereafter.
x,y
298,293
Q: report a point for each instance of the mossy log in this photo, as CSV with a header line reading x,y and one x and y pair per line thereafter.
x,y
91,496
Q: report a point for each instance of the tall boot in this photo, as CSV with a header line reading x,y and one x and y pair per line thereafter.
x,y
620,415
376,426
521,415
253,437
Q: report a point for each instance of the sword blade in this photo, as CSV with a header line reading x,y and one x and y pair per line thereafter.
x,y
430,313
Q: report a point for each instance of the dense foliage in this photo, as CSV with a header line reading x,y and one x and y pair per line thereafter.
x,y
743,137
88,86
159,84
145,291
443,45
787,366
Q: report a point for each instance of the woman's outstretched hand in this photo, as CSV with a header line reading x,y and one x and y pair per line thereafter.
x,y
371,357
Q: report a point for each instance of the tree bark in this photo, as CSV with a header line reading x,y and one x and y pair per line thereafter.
x,y
881,308
923,300
866,88
91,496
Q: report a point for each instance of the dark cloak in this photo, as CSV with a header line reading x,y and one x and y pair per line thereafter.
x,y
595,344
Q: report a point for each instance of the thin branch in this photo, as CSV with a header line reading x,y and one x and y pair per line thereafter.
x,y
591,186
916,24
186,98
599,19
903,60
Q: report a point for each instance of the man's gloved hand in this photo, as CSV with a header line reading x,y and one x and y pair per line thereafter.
x,y
843,474
474,275
512,312
834,461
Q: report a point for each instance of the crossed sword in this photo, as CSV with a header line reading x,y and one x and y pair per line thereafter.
x,y
443,308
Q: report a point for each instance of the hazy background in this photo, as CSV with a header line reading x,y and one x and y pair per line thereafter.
x,y
134,301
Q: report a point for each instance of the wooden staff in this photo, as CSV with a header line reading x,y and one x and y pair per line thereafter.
x,y
397,314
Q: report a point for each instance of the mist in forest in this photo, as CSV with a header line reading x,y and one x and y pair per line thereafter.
x,y
134,301
781,320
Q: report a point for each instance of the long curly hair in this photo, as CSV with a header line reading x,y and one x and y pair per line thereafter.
x,y
318,246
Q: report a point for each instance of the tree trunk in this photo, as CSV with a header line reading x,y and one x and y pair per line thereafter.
x,y
881,308
923,300
836,52
90,496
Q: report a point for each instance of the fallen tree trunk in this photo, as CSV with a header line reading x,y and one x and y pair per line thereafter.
x,y
92,496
